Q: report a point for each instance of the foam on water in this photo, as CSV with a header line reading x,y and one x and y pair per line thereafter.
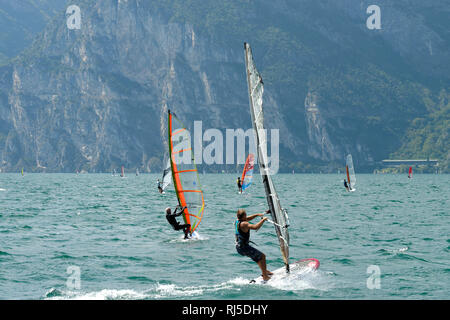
x,y
294,282
195,237
298,281
158,291
105,294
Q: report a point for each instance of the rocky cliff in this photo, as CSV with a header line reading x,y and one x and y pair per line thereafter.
x,y
95,98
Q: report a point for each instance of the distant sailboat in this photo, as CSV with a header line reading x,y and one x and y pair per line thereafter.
x,y
351,176
167,176
247,173
410,173
185,175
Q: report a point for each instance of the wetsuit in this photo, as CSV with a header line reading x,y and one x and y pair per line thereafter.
x,y
242,244
346,185
159,187
239,184
175,224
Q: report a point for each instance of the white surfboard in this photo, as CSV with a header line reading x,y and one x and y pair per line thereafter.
x,y
298,268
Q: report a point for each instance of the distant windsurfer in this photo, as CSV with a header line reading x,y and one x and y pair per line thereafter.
x,y
239,184
160,189
346,185
174,223
242,231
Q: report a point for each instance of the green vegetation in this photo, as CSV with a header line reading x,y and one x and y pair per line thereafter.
x,y
429,136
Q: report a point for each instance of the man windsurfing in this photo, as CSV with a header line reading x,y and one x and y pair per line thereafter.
x,y
346,185
242,232
239,184
174,223
159,186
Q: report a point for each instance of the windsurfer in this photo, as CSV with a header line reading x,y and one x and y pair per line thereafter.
x,y
174,223
242,231
239,184
159,186
346,185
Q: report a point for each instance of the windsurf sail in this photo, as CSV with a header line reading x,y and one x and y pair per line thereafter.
x,y
184,173
279,215
351,176
247,173
410,172
122,173
167,175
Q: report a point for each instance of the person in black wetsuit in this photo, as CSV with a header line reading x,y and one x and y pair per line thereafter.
x,y
346,185
159,186
242,231
174,223
239,184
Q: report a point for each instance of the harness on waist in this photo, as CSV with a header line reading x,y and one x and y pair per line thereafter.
x,y
242,238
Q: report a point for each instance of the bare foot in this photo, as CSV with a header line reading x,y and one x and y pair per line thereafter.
x,y
265,277
269,273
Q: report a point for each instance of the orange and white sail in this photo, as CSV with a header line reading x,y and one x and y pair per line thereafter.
x,y
184,173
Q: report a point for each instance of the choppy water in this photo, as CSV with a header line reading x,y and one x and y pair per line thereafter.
x,y
114,230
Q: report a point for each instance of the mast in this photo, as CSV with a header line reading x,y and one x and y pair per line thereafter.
x,y
278,214
348,177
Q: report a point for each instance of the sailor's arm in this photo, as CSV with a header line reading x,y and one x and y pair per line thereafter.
x,y
181,211
253,216
257,225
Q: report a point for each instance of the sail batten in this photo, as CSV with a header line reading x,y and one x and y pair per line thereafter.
x,y
278,215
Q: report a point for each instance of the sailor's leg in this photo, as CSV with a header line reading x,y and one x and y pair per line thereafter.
x,y
186,229
262,265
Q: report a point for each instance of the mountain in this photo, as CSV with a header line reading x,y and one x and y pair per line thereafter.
x,y
21,21
95,98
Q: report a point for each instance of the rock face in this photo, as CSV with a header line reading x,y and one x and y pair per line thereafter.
x,y
319,143
20,21
96,98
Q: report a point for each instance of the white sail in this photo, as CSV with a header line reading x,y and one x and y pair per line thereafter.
x,y
351,172
255,92
167,176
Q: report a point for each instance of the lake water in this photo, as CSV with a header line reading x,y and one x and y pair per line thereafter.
x,y
114,232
